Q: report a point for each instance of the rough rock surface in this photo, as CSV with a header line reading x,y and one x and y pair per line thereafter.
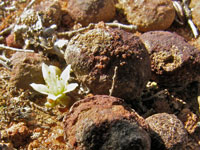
x,y
195,6
174,62
167,132
149,15
18,134
26,69
100,54
91,11
103,122
49,12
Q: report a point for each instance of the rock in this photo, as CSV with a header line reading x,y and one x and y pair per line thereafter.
x,y
100,54
18,134
174,62
104,122
167,132
27,69
189,119
6,146
49,12
149,15
195,6
10,41
91,11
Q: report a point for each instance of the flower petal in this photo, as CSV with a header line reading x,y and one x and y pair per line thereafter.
x,y
40,88
70,87
54,97
65,75
54,70
46,73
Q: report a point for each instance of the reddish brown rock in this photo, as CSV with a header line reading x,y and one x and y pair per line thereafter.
x,y
18,134
10,41
91,11
104,122
26,69
167,132
149,15
174,62
102,54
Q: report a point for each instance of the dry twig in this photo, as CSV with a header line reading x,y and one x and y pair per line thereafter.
x,y
3,47
113,81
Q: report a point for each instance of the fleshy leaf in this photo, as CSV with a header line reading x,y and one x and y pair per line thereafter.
x,y
40,88
65,75
70,87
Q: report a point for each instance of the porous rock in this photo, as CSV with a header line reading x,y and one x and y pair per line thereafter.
x,y
102,54
103,122
26,69
149,15
174,62
167,132
91,11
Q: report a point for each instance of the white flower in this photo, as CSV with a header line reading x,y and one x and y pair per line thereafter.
x,y
56,84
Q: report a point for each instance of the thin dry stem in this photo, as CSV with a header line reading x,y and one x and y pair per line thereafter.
x,y
122,26
113,81
3,47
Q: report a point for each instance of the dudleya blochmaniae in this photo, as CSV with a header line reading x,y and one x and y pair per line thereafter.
x,y
57,85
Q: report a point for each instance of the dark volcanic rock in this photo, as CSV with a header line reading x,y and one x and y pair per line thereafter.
x,y
27,69
91,11
167,132
99,54
174,62
104,122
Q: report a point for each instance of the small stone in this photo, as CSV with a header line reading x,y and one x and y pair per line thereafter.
x,y
149,15
91,11
10,41
104,122
174,62
167,132
189,119
6,146
50,11
102,53
27,69
18,134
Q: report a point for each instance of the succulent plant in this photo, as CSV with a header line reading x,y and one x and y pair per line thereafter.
x,y
57,85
